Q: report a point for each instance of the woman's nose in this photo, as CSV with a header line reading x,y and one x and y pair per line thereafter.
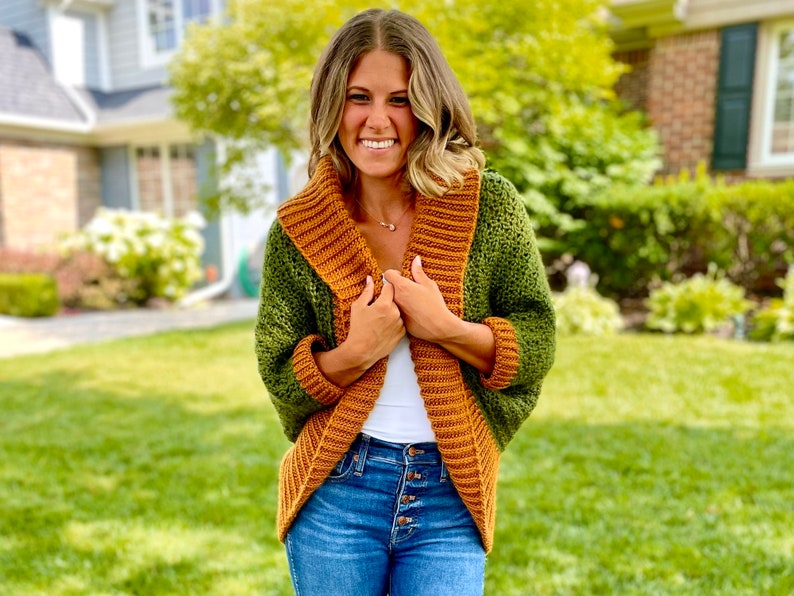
x,y
378,118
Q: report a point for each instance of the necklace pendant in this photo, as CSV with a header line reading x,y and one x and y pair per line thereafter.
x,y
391,227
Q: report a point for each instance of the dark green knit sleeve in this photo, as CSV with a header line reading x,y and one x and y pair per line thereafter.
x,y
506,288
286,334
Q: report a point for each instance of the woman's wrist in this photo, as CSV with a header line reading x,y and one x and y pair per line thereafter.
x,y
342,365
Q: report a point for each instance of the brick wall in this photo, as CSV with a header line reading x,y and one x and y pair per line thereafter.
x,y
680,75
45,190
632,87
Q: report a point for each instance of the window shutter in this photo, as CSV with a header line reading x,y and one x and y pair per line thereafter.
x,y
734,96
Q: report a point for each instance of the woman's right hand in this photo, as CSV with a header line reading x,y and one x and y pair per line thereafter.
x,y
376,328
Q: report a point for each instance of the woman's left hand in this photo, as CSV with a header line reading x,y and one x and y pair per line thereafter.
x,y
425,314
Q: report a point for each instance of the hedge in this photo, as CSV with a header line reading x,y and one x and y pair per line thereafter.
x,y
28,295
639,236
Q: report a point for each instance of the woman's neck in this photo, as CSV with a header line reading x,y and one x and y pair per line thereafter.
x,y
384,199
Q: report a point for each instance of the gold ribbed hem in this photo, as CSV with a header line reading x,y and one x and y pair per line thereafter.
x,y
507,356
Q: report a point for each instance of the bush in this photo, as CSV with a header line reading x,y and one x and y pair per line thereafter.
x,y
698,305
28,295
775,322
161,256
84,280
639,236
583,311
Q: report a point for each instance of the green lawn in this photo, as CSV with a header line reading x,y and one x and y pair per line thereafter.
x,y
653,465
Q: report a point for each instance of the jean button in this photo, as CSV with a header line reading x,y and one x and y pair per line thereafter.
x,y
412,451
402,520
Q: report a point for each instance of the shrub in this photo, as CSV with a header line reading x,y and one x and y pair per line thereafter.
x,y
161,256
775,322
700,304
639,236
755,239
84,280
583,311
28,295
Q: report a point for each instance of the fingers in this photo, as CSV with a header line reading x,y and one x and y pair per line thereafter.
x,y
368,293
417,272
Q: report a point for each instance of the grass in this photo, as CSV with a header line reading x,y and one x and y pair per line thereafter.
x,y
653,465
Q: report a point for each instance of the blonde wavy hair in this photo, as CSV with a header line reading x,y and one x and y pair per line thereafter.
x,y
445,146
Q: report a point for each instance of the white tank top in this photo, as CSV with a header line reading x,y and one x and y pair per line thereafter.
x,y
399,414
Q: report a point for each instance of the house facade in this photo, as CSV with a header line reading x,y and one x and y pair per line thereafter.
x,y
86,121
716,78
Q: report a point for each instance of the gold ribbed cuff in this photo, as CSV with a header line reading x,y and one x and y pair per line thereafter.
x,y
507,357
309,376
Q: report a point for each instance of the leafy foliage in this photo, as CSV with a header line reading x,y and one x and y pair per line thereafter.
x,y
583,311
539,76
84,280
697,305
28,295
638,236
775,322
161,255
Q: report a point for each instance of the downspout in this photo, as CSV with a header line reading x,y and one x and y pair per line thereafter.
x,y
228,266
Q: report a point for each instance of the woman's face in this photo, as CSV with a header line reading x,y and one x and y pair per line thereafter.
x,y
377,124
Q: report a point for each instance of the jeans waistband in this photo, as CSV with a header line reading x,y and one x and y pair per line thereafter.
x,y
426,453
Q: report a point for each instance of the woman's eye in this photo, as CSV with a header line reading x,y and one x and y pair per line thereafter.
x,y
400,100
358,97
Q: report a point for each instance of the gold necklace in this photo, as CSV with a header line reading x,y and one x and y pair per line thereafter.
x,y
392,227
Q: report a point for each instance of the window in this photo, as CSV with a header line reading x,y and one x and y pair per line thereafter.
x,y
163,23
783,116
778,123
166,178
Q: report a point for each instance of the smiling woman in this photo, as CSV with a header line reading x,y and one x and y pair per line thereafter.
x,y
405,325
378,125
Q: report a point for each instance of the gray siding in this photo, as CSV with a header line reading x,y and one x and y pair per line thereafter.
x,y
29,17
115,177
125,59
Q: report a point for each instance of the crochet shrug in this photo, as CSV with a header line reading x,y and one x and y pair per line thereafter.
x,y
477,244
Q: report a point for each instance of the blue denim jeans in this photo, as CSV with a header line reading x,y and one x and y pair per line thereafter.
x,y
387,520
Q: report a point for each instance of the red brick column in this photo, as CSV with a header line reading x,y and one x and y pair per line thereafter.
x,y
45,190
682,87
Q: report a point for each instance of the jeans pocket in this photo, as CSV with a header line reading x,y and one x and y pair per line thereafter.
x,y
344,468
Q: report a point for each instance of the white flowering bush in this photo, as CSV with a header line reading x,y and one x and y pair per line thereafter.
x,y
581,310
775,322
161,255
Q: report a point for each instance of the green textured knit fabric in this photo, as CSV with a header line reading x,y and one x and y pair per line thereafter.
x,y
504,278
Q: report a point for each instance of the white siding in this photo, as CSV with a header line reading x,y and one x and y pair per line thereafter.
x,y
28,17
125,61
719,13
93,77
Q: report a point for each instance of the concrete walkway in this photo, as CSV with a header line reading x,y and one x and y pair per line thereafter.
x,y
20,336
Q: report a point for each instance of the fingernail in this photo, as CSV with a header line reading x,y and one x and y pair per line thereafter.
x,y
418,260
369,279
383,278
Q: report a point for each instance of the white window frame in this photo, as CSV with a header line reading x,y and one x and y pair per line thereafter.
x,y
166,179
771,62
149,56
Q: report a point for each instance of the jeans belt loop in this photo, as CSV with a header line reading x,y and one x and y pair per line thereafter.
x,y
362,454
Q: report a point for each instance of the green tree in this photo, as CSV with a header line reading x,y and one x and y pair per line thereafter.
x,y
539,76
